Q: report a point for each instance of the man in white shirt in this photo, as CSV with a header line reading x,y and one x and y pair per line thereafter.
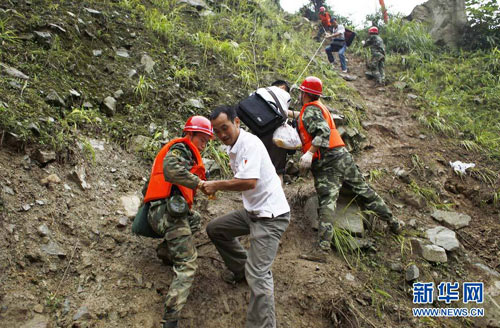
x,y
265,216
338,44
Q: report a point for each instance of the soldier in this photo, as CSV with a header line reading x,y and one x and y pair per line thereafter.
x,y
377,48
176,174
331,164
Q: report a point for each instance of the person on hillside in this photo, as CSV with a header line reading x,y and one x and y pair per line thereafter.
x,y
377,47
331,164
338,45
176,174
325,23
265,216
281,90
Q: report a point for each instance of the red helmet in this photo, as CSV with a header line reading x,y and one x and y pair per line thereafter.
x,y
312,85
199,124
321,9
373,30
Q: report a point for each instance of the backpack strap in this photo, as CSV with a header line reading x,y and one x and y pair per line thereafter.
x,y
282,111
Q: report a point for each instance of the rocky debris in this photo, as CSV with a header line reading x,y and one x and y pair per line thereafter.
x,y
196,103
43,230
130,204
443,237
414,200
14,72
15,85
487,269
118,93
452,219
26,207
12,140
87,105
78,175
122,52
97,144
82,314
152,130
147,63
411,96
434,253
123,222
412,273
417,245
54,99
139,143
362,244
108,106
349,217
396,266
447,20
50,180
132,73
198,4
8,190
43,157
97,52
43,37
38,308
53,248
38,321
311,211
57,28
402,174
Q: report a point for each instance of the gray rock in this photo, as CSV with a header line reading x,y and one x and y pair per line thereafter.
x,y
118,93
14,72
417,245
349,277
152,129
38,321
79,175
53,248
487,269
446,19
8,190
396,266
87,105
132,73
44,36
97,144
402,174
411,96
108,106
362,244
130,204
148,63
311,211
434,253
26,207
123,222
40,202
75,94
412,273
43,157
57,28
196,103
97,52
66,306
199,4
452,219
43,230
139,143
54,99
82,314
414,200
51,179
15,85
93,12
122,52
443,237
349,217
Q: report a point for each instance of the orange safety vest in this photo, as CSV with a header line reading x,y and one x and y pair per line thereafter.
x,y
158,188
325,19
335,139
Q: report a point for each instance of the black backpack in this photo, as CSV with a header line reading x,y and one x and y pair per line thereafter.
x,y
349,36
260,116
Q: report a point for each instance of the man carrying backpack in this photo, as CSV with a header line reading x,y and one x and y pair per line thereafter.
x,y
338,45
377,47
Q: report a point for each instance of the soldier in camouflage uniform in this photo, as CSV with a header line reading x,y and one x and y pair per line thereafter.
x,y
377,47
177,172
331,164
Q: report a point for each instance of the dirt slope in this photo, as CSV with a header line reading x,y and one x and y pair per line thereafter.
x,y
105,277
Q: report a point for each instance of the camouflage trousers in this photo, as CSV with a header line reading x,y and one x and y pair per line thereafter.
x,y
377,65
329,174
178,232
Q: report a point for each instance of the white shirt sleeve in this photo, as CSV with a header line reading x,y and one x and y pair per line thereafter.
x,y
248,164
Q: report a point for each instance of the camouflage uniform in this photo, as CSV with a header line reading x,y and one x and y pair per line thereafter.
x,y
178,231
336,166
377,62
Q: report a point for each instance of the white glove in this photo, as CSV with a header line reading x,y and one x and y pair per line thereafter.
x,y
363,42
306,160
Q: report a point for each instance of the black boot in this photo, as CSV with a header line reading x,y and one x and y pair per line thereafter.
x,y
170,324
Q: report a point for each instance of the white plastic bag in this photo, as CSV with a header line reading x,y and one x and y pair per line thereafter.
x,y
287,137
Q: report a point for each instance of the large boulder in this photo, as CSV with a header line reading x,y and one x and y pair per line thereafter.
x,y
446,18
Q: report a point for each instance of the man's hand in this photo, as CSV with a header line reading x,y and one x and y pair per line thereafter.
x,y
209,187
306,160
